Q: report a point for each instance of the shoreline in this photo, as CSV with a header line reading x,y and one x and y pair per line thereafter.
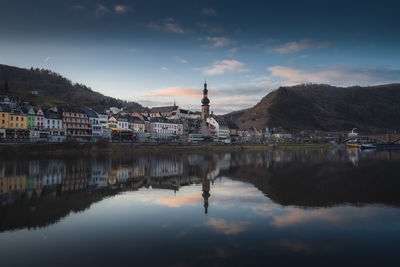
x,y
129,148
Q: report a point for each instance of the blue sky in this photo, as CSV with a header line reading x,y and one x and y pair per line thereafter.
x,y
154,52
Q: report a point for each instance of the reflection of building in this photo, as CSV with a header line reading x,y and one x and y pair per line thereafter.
x,y
37,178
166,168
77,177
205,186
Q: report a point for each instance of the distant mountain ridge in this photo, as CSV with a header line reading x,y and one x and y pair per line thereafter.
x,y
55,89
325,107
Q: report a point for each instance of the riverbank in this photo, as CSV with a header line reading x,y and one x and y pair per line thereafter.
x,y
106,148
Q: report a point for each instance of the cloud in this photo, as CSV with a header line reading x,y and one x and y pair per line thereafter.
x,y
219,41
209,11
293,47
175,91
336,75
101,10
181,60
168,25
228,228
164,68
164,198
223,66
121,9
47,59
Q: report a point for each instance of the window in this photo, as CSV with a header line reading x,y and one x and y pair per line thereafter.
x,y
16,125
12,118
3,115
12,124
16,118
22,118
3,121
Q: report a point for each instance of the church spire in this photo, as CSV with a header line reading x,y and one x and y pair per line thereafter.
x,y
205,103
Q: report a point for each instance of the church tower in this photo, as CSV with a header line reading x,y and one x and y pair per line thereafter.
x,y
205,103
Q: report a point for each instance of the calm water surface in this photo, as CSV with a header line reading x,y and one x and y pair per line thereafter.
x,y
256,209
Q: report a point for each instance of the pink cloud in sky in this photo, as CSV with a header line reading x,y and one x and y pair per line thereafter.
x,y
223,66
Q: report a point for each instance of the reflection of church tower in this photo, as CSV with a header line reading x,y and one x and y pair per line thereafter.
x,y
205,103
205,184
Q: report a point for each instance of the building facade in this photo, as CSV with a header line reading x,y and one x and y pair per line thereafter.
x,y
76,122
40,120
218,128
165,129
31,117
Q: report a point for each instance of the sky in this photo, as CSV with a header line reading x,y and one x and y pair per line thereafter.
x,y
155,52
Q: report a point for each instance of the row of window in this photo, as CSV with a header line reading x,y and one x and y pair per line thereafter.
x,y
17,125
76,120
16,118
164,126
71,114
74,125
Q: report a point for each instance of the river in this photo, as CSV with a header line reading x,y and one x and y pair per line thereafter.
x,y
300,207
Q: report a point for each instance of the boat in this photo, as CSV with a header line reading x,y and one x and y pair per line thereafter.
x,y
353,145
367,146
361,146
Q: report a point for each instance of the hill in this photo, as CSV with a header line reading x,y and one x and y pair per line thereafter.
x,y
55,89
325,107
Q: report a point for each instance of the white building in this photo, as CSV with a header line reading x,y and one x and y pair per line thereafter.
x,y
54,125
122,123
103,121
219,128
114,110
165,129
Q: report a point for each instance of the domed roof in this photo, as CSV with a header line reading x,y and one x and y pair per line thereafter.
x,y
205,101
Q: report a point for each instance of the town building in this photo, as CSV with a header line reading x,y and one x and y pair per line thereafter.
x,y
4,115
166,129
97,130
40,119
218,128
122,123
112,122
171,112
54,125
76,123
17,119
31,117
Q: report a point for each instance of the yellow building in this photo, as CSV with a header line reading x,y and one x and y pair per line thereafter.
x,y
12,119
139,126
17,121
4,113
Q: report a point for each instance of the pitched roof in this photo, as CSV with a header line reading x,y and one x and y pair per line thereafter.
x,y
50,114
5,108
163,109
91,113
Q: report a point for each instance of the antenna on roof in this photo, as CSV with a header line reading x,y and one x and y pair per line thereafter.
x,y
174,103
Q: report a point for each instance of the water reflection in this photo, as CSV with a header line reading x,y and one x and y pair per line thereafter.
x,y
299,178
226,208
